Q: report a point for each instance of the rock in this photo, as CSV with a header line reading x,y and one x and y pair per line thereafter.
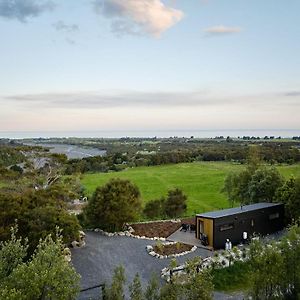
x,y
82,244
149,248
121,233
75,244
96,229
81,234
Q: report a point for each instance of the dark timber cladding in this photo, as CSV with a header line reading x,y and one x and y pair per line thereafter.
x,y
259,218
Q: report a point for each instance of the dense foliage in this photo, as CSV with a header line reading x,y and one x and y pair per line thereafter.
x,y
126,153
275,269
113,205
46,275
37,213
289,194
175,204
191,286
10,156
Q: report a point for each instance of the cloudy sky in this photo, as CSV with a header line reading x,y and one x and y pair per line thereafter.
x,y
149,64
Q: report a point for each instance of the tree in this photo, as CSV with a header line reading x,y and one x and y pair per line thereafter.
x,y
155,208
114,204
175,204
38,213
193,284
135,288
46,275
236,185
267,271
116,290
289,194
264,184
152,290
275,269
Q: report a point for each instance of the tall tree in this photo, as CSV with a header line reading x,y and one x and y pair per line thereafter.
x,y
289,194
152,290
264,184
46,275
175,204
135,288
116,290
114,204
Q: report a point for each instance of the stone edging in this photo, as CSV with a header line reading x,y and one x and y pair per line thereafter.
x,y
159,221
151,252
223,260
128,233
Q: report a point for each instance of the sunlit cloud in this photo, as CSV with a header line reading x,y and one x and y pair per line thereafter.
x,y
139,17
221,30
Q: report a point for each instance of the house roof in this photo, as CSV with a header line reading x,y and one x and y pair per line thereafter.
x,y
237,210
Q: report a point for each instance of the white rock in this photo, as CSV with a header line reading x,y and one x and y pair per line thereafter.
x,y
75,244
81,233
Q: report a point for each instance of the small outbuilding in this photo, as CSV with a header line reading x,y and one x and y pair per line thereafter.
x,y
239,223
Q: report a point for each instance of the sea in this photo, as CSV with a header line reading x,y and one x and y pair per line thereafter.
x,y
196,133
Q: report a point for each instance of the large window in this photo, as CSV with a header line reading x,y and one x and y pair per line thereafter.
x,y
226,227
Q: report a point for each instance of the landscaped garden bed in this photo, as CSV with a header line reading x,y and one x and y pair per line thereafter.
x,y
156,229
159,228
169,249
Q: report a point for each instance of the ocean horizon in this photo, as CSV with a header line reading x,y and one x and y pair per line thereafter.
x,y
200,133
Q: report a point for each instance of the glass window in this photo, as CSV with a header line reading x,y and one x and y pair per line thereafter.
x,y
226,227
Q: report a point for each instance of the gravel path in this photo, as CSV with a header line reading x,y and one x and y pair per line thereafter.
x,y
96,261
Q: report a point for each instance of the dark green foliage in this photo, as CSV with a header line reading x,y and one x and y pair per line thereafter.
x,y
155,208
289,194
10,155
190,286
135,288
37,213
45,275
254,184
17,169
233,278
175,204
152,290
113,205
116,290
275,269
263,185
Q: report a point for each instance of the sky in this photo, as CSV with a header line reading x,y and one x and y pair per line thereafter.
x,y
149,64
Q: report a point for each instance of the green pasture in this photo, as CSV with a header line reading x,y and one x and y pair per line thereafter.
x,y
201,182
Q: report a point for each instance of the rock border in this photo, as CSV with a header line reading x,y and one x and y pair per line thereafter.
x,y
151,252
128,233
223,259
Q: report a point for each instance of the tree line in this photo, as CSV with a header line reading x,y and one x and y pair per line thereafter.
x,y
270,153
258,183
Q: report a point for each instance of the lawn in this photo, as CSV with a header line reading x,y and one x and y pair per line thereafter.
x,y
201,181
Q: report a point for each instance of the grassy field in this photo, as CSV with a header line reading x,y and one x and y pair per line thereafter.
x,y
201,181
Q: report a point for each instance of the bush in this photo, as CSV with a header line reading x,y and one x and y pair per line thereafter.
x,y
175,204
154,208
114,204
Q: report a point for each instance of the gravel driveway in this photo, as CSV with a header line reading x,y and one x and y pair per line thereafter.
x,y
96,261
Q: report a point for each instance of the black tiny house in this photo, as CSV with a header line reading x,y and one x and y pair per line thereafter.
x,y
259,218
